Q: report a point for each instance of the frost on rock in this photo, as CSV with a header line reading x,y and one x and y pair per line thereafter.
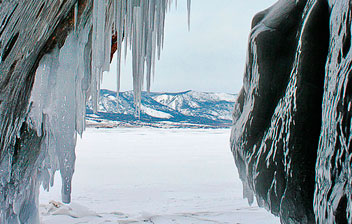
x,y
277,118
67,75
333,189
292,133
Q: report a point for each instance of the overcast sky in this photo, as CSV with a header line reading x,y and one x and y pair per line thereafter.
x,y
210,57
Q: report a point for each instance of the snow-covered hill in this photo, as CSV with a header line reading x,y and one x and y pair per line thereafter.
x,y
184,109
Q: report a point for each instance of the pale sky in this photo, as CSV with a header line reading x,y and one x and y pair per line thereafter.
x,y
210,57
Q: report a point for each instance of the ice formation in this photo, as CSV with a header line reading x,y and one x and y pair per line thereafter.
x,y
292,124
292,136
65,78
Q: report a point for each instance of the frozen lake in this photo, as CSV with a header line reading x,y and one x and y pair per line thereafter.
x,y
160,176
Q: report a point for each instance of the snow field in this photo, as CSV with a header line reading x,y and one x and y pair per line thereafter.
x,y
145,175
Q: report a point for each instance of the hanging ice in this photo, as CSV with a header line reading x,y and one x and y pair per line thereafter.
x,y
140,24
62,82
58,105
65,79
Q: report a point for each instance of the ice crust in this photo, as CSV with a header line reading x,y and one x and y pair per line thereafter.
x,y
66,78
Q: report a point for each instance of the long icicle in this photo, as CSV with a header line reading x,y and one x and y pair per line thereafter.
x,y
140,25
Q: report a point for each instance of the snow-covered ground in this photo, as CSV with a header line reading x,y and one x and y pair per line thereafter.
x,y
160,176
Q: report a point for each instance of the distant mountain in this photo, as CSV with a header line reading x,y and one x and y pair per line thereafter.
x,y
184,109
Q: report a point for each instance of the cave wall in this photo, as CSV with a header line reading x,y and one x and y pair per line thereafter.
x,y
28,31
291,137
333,188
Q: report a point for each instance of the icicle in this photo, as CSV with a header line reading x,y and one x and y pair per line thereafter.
x,y
189,13
58,105
76,17
67,77
119,28
98,49
140,24
110,17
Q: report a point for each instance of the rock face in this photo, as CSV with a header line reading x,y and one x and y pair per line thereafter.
x,y
291,137
28,30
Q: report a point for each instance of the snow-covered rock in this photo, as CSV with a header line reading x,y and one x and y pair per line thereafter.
x,y
73,210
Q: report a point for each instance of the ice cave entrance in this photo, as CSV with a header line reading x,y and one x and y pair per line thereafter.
x,y
156,175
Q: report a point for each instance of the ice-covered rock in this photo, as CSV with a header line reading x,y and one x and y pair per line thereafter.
x,y
73,210
292,124
52,55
